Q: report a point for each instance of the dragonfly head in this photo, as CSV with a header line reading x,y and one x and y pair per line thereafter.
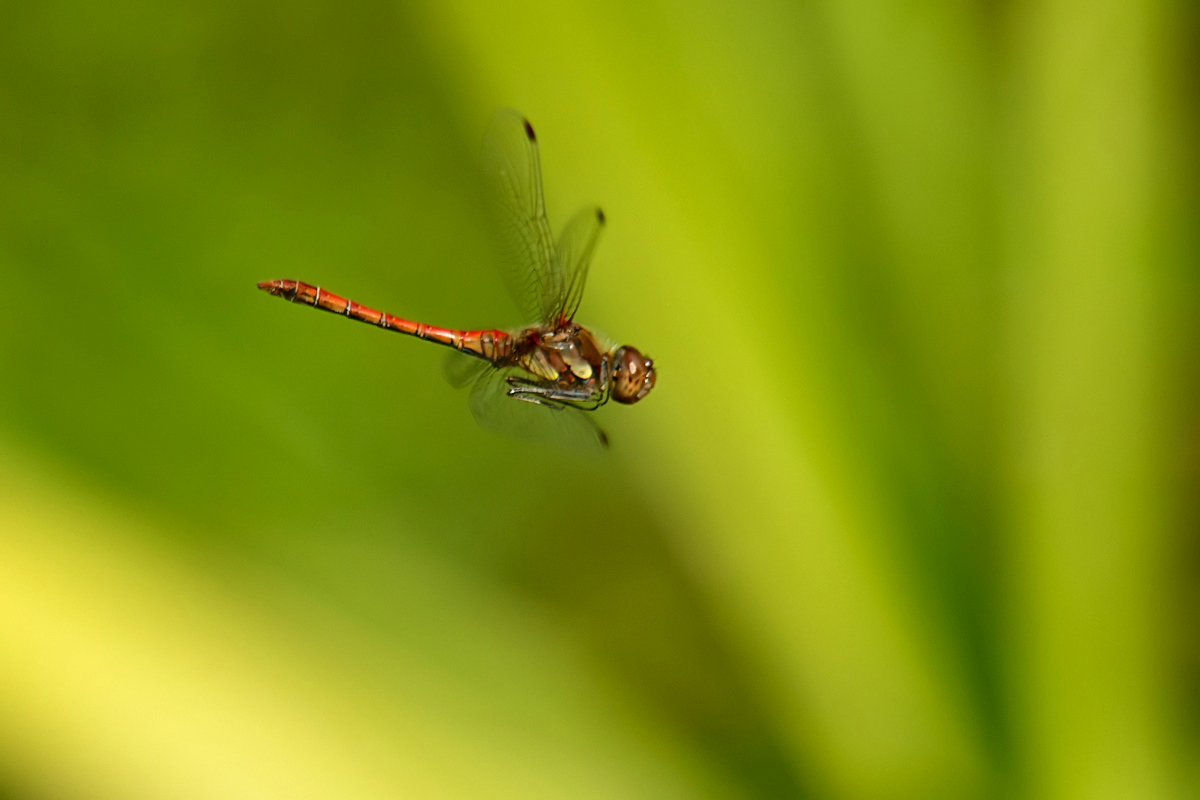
x,y
633,375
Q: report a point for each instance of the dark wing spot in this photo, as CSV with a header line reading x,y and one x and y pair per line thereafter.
x,y
604,439
600,216
529,130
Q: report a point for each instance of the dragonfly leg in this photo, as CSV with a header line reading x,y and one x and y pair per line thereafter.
x,y
585,399
547,390
556,397
541,401
590,401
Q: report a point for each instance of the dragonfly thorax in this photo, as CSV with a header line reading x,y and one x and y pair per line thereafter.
x,y
568,355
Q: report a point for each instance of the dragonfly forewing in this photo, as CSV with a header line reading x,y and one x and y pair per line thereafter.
x,y
574,256
513,173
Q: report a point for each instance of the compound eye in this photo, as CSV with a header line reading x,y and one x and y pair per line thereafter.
x,y
650,380
629,375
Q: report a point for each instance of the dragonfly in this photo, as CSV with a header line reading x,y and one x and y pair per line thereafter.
x,y
537,382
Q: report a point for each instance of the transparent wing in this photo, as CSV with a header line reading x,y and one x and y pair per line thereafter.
x,y
574,255
513,173
559,425
460,370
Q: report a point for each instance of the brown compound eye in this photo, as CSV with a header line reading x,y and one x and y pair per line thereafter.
x,y
633,375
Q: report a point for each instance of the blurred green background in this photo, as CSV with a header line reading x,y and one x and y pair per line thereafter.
x,y
911,513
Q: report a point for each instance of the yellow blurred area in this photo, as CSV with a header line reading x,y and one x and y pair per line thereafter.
x,y
911,512
130,672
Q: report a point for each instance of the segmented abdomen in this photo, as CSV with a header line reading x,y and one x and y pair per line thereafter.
x,y
492,345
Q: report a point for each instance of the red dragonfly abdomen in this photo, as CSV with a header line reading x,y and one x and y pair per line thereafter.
x,y
490,345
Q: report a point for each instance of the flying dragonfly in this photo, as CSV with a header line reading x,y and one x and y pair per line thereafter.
x,y
540,381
